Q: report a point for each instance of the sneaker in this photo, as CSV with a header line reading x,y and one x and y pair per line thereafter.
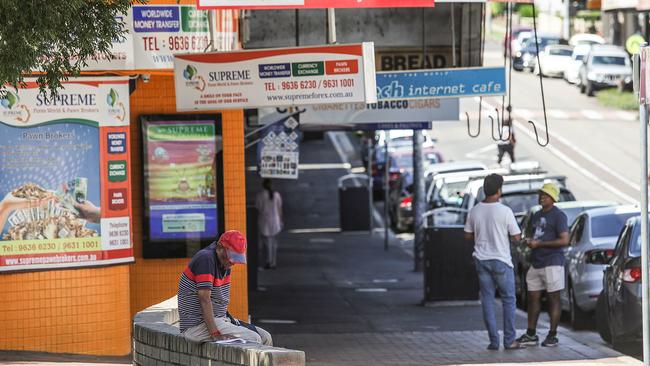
x,y
550,341
493,347
515,345
527,340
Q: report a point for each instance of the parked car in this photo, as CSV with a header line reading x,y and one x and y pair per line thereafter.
x,y
604,67
591,244
520,251
586,39
401,208
526,58
519,34
553,60
572,70
618,308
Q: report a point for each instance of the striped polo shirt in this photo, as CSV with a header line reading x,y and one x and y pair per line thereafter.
x,y
203,271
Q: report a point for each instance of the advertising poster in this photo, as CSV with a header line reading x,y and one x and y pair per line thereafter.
x,y
275,77
180,178
160,31
278,151
55,208
121,51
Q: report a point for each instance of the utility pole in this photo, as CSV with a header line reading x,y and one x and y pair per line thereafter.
x,y
386,177
418,199
566,22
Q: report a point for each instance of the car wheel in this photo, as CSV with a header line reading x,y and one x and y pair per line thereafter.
x,y
579,318
602,320
590,89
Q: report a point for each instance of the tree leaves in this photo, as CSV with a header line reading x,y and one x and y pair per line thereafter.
x,y
55,38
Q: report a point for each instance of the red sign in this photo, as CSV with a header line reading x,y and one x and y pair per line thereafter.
x,y
341,67
310,4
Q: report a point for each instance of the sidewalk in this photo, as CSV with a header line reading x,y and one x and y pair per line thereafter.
x,y
345,301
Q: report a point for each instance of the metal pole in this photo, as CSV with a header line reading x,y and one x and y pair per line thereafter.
x,y
643,123
297,28
453,36
331,26
386,168
370,195
418,199
212,16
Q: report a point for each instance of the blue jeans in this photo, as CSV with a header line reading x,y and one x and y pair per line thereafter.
x,y
493,275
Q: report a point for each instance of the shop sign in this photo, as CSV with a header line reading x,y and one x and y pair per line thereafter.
x,y
310,4
275,77
409,58
278,150
60,208
441,83
122,57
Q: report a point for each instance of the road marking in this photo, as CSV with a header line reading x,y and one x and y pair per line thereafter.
x,y
626,116
276,321
372,289
591,114
321,240
479,153
524,113
522,128
559,114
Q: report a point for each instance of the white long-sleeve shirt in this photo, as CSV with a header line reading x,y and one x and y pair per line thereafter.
x,y
269,213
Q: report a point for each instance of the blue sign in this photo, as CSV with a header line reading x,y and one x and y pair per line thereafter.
x,y
275,70
116,143
156,19
441,83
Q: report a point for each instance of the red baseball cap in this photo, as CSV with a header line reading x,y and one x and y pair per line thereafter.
x,y
235,244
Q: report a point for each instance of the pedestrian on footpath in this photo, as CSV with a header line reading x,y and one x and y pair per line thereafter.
x,y
269,207
204,294
507,146
550,236
489,226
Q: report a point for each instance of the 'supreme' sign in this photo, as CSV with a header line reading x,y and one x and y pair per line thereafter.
x,y
275,77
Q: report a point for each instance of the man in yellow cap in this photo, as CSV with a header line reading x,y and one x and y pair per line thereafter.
x,y
551,234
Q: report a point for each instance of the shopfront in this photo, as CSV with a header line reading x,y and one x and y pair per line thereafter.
x,y
108,190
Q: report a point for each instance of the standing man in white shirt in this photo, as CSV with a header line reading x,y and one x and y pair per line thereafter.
x,y
269,206
489,226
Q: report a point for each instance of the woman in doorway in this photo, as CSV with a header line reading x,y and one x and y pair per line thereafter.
x,y
269,206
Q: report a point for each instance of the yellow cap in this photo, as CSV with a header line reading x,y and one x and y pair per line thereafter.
x,y
552,190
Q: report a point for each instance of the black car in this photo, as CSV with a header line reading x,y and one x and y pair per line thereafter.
x,y
527,57
618,309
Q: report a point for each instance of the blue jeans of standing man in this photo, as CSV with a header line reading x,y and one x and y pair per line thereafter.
x,y
492,275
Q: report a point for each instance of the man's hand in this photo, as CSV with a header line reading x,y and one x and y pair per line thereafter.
x,y
223,337
88,211
533,244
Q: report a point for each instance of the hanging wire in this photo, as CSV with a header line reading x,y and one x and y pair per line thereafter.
x,y
482,55
541,85
507,64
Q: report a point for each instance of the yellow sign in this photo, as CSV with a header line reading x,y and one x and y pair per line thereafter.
x,y
633,43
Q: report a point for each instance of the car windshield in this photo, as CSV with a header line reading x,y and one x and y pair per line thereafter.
x,y
521,202
543,42
450,191
609,60
579,57
609,225
560,52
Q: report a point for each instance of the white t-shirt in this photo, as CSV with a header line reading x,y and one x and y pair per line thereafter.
x,y
492,225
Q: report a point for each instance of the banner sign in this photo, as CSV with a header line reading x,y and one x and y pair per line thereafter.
x,y
122,57
277,152
441,83
275,77
311,4
64,175
410,58
180,179
393,126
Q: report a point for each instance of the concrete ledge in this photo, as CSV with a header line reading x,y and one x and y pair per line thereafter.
x,y
157,342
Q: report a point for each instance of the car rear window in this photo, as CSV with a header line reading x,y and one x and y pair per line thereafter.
x,y
560,52
579,57
609,225
609,60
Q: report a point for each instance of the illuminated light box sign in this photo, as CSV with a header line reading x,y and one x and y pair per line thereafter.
x,y
66,193
275,77
311,4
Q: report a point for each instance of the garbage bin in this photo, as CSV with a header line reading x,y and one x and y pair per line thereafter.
x,y
449,268
354,203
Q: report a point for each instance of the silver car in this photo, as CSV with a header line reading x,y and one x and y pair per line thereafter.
x,y
592,240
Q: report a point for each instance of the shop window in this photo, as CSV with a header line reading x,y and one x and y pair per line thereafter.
x,y
182,183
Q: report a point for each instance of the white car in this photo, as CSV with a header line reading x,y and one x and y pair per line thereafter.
x,y
604,67
586,38
553,60
572,70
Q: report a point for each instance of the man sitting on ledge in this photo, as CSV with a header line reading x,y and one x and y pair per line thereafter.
x,y
204,294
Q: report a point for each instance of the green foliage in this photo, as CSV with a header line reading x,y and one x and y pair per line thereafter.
x,y
525,10
498,8
56,37
616,99
591,15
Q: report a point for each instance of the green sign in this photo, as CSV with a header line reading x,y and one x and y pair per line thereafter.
x,y
181,132
193,20
117,170
633,43
308,68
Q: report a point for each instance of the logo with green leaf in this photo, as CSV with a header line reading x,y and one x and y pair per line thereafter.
x,y
189,72
9,100
112,98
